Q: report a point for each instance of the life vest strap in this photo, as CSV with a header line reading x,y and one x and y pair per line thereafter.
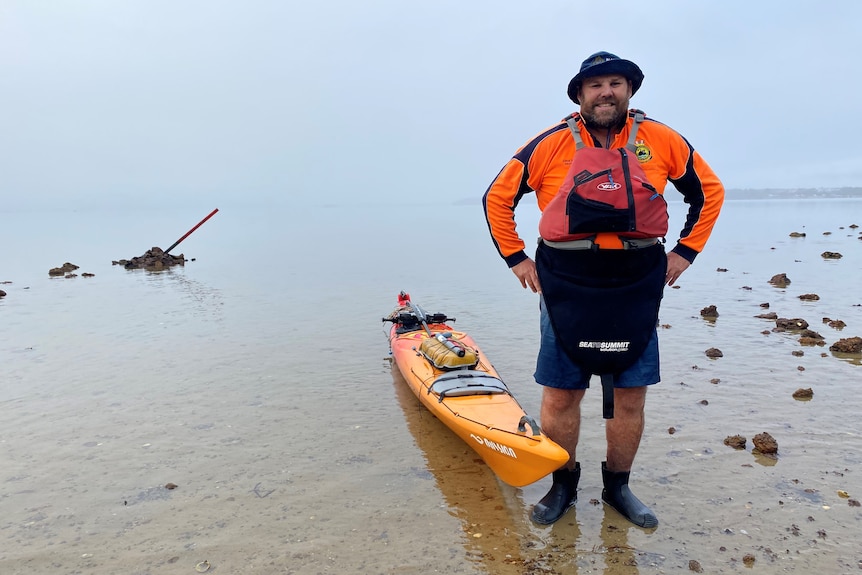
x,y
607,395
572,123
591,244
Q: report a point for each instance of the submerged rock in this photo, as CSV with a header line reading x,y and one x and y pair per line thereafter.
x,y
810,337
847,345
770,315
62,270
154,259
780,280
790,324
765,443
709,312
735,441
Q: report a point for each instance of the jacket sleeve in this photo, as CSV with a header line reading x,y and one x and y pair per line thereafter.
x,y
499,203
537,167
703,192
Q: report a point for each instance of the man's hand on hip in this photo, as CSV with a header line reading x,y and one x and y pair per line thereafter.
x,y
676,264
526,274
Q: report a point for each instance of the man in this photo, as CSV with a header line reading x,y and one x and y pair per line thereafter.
x,y
601,281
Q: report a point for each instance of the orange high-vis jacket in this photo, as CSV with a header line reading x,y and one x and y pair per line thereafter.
x,y
542,163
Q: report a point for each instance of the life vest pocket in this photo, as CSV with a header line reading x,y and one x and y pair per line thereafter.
x,y
592,216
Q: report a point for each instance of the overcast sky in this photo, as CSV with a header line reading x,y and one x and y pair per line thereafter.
x,y
330,101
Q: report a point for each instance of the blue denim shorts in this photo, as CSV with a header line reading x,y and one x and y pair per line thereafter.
x,y
555,369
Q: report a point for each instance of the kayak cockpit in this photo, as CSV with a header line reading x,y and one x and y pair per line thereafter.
x,y
466,382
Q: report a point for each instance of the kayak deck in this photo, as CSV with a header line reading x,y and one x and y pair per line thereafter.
x,y
474,402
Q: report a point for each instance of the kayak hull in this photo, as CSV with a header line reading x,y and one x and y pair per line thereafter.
x,y
490,421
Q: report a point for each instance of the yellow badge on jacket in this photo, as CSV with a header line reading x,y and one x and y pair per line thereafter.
x,y
642,152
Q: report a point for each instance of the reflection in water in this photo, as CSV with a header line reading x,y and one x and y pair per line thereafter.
x,y
204,300
498,536
567,551
486,507
765,459
853,358
620,557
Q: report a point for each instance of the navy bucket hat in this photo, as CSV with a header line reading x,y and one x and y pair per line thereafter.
x,y
601,64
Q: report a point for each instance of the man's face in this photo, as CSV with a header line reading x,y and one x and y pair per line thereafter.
x,y
604,100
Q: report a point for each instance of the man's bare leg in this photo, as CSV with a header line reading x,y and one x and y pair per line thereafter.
x,y
624,431
561,421
561,418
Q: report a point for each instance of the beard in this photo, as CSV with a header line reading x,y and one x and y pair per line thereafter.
x,y
607,118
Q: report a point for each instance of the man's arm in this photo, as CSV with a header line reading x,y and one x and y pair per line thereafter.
x,y
499,203
704,194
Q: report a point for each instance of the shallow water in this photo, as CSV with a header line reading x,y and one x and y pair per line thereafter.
x,y
257,379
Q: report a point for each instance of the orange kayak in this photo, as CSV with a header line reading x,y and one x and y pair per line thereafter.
x,y
453,378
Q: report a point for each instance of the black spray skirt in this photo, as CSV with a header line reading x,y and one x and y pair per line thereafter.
x,y
603,304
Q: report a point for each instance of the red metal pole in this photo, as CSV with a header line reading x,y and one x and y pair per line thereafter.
x,y
188,233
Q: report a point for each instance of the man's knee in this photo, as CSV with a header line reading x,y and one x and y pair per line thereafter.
x,y
558,400
630,399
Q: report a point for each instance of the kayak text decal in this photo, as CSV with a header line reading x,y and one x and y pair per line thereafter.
x,y
499,448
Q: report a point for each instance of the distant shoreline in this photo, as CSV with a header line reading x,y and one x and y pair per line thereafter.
x,y
792,194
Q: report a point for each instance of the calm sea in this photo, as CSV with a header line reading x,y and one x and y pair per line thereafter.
x,y
257,380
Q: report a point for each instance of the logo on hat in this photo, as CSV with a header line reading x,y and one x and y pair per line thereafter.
x,y
601,59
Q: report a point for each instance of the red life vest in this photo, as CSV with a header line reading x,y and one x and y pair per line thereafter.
x,y
605,191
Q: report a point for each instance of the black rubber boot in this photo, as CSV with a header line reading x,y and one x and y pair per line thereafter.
x,y
561,496
618,495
